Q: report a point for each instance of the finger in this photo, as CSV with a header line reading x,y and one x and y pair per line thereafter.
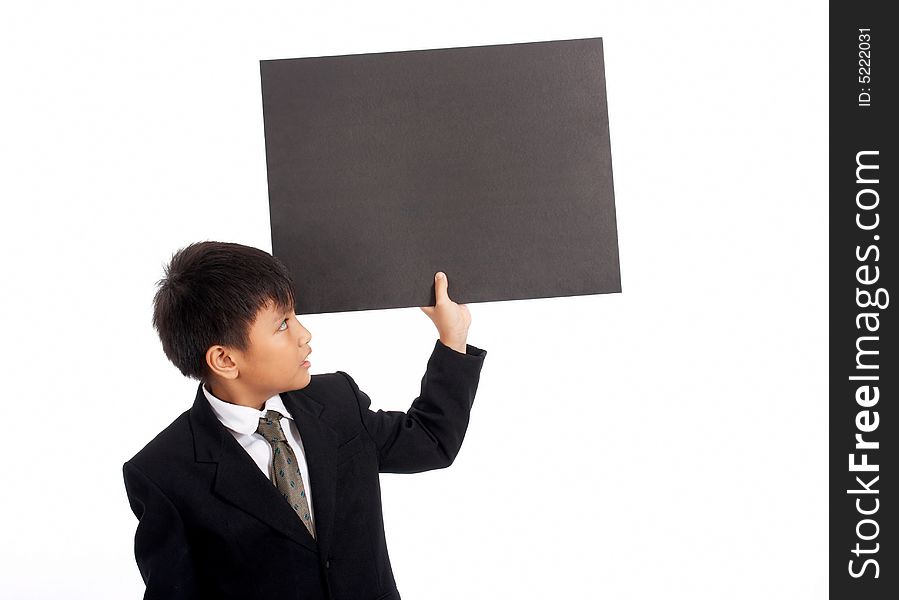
x,y
440,285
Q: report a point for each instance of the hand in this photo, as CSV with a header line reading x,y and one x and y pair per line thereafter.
x,y
452,320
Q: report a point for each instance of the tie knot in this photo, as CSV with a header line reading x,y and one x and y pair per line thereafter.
x,y
270,427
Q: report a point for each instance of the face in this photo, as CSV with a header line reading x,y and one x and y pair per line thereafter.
x,y
273,363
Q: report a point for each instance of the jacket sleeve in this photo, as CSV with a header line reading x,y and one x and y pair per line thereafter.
x,y
429,435
160,544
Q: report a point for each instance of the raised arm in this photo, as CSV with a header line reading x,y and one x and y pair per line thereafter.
x,y
428,435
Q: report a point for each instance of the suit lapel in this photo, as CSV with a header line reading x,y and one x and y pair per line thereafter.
x,y
239,481
320,445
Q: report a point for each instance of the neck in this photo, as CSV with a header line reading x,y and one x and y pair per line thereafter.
x,y
235,394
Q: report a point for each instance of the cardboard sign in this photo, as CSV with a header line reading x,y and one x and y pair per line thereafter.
x,y
490,163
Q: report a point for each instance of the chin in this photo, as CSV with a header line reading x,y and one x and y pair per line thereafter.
x,y
304,380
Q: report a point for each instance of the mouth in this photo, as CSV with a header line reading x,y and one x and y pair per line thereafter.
x,y
306,364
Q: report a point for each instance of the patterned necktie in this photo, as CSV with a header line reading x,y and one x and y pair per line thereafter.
x,y
284,468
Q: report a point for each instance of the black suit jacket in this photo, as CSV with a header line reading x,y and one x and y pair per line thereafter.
x,y
211,525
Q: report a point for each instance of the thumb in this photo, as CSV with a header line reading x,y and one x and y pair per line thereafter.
x,y
440,285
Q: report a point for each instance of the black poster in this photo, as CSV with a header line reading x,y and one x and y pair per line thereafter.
x,y
490,163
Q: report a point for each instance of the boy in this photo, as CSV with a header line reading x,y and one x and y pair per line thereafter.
x,y
268,486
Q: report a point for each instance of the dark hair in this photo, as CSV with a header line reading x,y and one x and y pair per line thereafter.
x,y
211,294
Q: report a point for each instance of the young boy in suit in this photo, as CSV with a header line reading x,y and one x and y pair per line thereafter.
x,y
267,487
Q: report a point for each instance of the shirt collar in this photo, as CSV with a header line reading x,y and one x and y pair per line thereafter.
x,y
243,419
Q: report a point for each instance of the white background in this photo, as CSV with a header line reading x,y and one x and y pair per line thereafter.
x,y
682,450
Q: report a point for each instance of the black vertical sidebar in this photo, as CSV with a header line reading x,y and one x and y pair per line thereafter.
x,y
864,369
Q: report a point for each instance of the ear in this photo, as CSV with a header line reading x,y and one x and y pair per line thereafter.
x,y
220,362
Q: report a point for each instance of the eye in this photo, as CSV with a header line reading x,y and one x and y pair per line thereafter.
x,y
282,322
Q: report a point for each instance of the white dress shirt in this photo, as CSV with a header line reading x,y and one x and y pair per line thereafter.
x,y
242,421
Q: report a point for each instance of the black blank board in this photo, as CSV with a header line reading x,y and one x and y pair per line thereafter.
x,y
490,163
